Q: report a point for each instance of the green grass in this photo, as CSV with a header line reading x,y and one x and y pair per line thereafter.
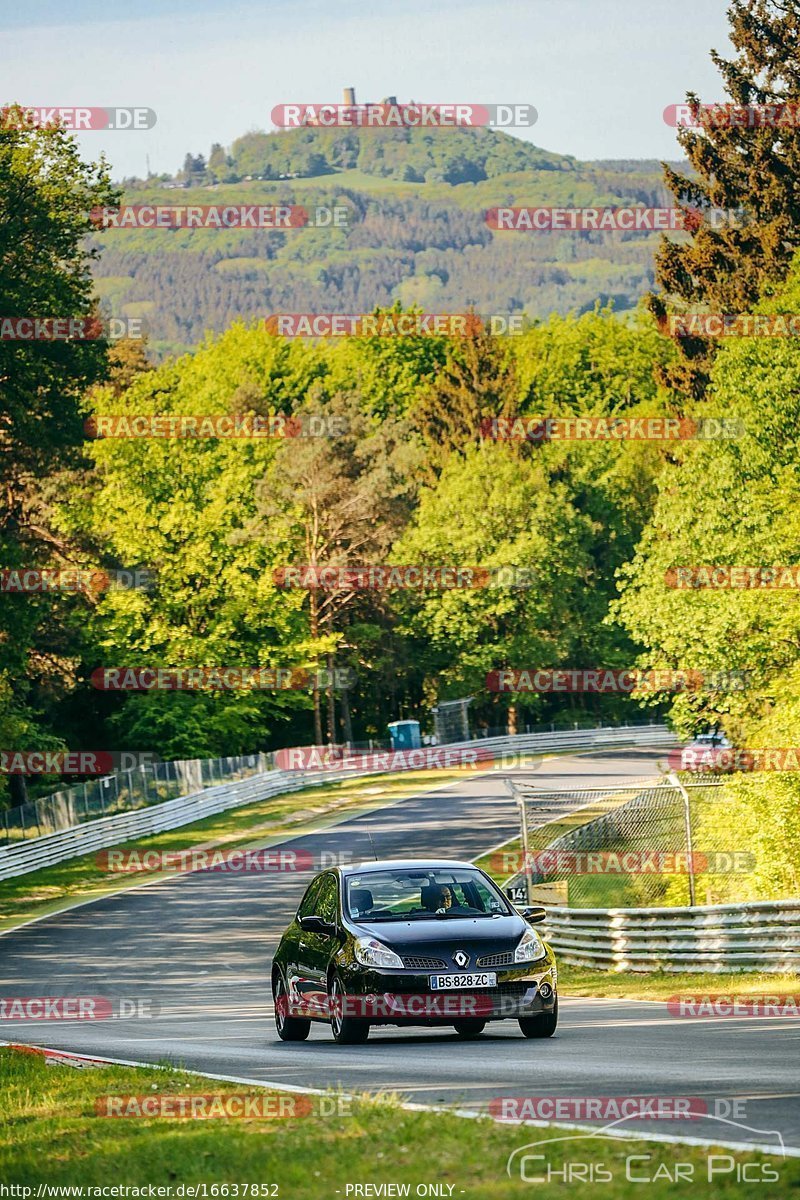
x,y
660,985
262,823
596,890
494,863
50,1133
612,891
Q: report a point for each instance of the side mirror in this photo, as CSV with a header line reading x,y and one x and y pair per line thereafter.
x,y
533,913
317,925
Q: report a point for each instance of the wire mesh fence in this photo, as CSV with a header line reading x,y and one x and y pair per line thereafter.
x,y
125,791
645,844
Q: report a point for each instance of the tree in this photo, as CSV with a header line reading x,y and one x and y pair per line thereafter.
x,y
193,166
46,194
390,371
732,501
218,162
476,383
333,502
752,169
490,508
179,507
127,358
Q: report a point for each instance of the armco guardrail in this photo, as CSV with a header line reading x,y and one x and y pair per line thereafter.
x,y
718,938
104,832
575,739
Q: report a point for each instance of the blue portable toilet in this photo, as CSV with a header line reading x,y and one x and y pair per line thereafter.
x,y
405,735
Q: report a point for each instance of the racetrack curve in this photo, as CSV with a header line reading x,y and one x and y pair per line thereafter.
x,y
197,948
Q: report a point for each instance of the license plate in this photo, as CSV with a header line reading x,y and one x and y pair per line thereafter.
x,y
483,979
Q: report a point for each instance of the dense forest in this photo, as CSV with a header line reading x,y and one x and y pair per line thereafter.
x,y
416,232
597,526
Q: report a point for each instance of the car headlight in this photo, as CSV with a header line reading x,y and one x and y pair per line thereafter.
x,y
530,947
372,953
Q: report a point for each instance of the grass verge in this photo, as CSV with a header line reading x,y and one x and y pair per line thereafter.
x,y
615,891
591,891
51,1134
660,985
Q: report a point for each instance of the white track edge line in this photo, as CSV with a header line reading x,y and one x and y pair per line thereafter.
x,y
469,1114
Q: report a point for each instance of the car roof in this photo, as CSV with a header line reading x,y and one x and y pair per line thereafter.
x,y
394,864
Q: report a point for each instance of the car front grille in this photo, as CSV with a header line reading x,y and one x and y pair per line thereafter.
x,y
416,962
506,959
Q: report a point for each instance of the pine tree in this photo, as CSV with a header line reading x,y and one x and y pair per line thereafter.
x,y
751,170
477,382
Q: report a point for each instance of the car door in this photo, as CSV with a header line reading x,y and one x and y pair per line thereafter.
x,y
316,949
294,941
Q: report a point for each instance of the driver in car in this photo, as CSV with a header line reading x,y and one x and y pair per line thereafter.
x,y
440,899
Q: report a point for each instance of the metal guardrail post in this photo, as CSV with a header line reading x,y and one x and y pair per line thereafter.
x,y
519,796
687,821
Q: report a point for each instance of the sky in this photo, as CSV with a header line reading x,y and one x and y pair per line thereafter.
x,y
599,72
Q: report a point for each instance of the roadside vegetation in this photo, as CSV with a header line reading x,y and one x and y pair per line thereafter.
x,y
600,526
50,1133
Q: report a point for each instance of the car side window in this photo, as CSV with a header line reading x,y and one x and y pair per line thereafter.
x,y
307,906
327,899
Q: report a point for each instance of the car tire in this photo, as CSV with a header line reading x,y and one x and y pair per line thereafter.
x,y
347,1031
470,1027
290,1029
542,1025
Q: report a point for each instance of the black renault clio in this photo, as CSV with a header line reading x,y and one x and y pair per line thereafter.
x,y
411,942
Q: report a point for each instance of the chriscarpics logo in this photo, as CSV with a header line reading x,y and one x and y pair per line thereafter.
x,y
591,1156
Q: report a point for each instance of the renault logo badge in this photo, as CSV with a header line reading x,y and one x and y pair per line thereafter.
x,y
461,958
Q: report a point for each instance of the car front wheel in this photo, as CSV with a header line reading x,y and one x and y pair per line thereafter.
x,y
347,1031
290,1029
469,1027
542,1025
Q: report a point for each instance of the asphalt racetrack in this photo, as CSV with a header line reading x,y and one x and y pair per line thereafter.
x,y
196,950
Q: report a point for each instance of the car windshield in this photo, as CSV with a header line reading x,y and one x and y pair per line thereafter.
x,y
422,895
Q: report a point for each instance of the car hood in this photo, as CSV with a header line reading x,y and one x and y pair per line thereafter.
x,y
441,933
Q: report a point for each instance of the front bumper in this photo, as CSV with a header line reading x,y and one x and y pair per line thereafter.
x,y
406,998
